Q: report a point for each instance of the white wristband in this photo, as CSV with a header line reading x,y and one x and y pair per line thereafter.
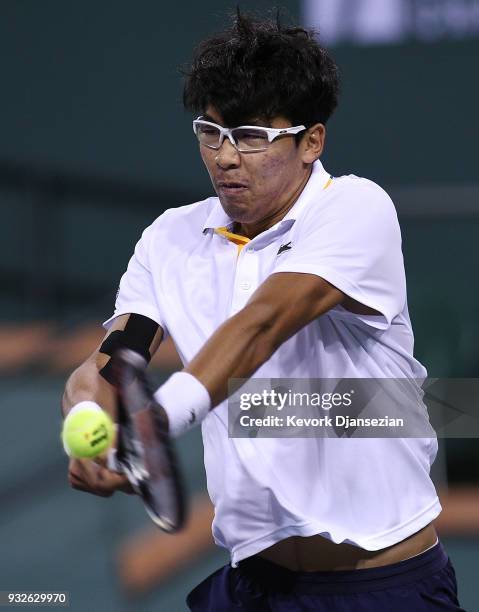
x,y
85,405
185,400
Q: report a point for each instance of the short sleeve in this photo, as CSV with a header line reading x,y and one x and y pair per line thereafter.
x,y
352,240
136,293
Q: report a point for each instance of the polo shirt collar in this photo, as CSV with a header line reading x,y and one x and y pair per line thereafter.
x,y
217,217
317,181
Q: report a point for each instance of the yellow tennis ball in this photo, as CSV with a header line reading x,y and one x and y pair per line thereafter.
x,y
88,431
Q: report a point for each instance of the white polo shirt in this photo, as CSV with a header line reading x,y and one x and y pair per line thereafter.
x,y
190,278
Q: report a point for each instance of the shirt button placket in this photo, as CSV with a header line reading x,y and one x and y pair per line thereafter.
x,y
245,278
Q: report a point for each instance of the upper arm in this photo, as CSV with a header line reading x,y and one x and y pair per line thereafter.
x,y
287,301
99,359
119,324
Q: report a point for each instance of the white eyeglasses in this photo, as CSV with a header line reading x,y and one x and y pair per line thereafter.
x,y
245,138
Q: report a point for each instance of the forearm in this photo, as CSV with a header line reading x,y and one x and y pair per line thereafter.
x,y
236,350
86,383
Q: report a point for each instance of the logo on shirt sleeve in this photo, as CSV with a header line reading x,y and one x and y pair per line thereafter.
x,y
283,248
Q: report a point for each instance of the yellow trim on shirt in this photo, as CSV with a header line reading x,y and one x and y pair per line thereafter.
x,y
330,180
237,239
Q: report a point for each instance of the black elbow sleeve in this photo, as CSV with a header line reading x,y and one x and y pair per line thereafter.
x,y
138,335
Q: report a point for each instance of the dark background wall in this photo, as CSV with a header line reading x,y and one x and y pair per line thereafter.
x,y
95,87
408,113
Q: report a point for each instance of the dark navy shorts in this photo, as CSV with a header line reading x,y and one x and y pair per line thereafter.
x,y
425,583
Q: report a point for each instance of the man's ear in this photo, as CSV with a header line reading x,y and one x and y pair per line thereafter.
x,y
312,143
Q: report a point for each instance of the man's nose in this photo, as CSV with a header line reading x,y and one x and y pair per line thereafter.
x,y
228,156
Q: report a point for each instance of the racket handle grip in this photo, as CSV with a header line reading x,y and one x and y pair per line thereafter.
x,y
112,463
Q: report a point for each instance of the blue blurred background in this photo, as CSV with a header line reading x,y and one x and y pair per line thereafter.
x,y
95,145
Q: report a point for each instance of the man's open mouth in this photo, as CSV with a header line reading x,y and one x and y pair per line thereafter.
x,y
231,186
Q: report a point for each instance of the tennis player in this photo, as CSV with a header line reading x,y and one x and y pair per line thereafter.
x,y
287,272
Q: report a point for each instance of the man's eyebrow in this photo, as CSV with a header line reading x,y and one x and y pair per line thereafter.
x,y
258,122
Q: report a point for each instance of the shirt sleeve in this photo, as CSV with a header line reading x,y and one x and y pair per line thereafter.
x,y
352,240
136,293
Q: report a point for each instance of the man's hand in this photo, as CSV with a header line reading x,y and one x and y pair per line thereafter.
x,y
93,477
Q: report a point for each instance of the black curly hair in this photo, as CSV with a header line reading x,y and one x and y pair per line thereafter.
x,y
260,69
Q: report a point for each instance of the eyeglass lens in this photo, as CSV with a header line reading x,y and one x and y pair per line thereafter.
x,y
246,139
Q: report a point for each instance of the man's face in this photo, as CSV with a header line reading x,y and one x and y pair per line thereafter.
x,y
254,187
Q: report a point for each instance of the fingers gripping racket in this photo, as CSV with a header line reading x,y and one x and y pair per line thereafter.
x,y
145,452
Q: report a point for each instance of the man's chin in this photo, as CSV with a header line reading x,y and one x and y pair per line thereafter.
x,y
238,211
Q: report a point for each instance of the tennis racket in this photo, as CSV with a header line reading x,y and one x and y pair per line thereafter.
x,y
145,452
